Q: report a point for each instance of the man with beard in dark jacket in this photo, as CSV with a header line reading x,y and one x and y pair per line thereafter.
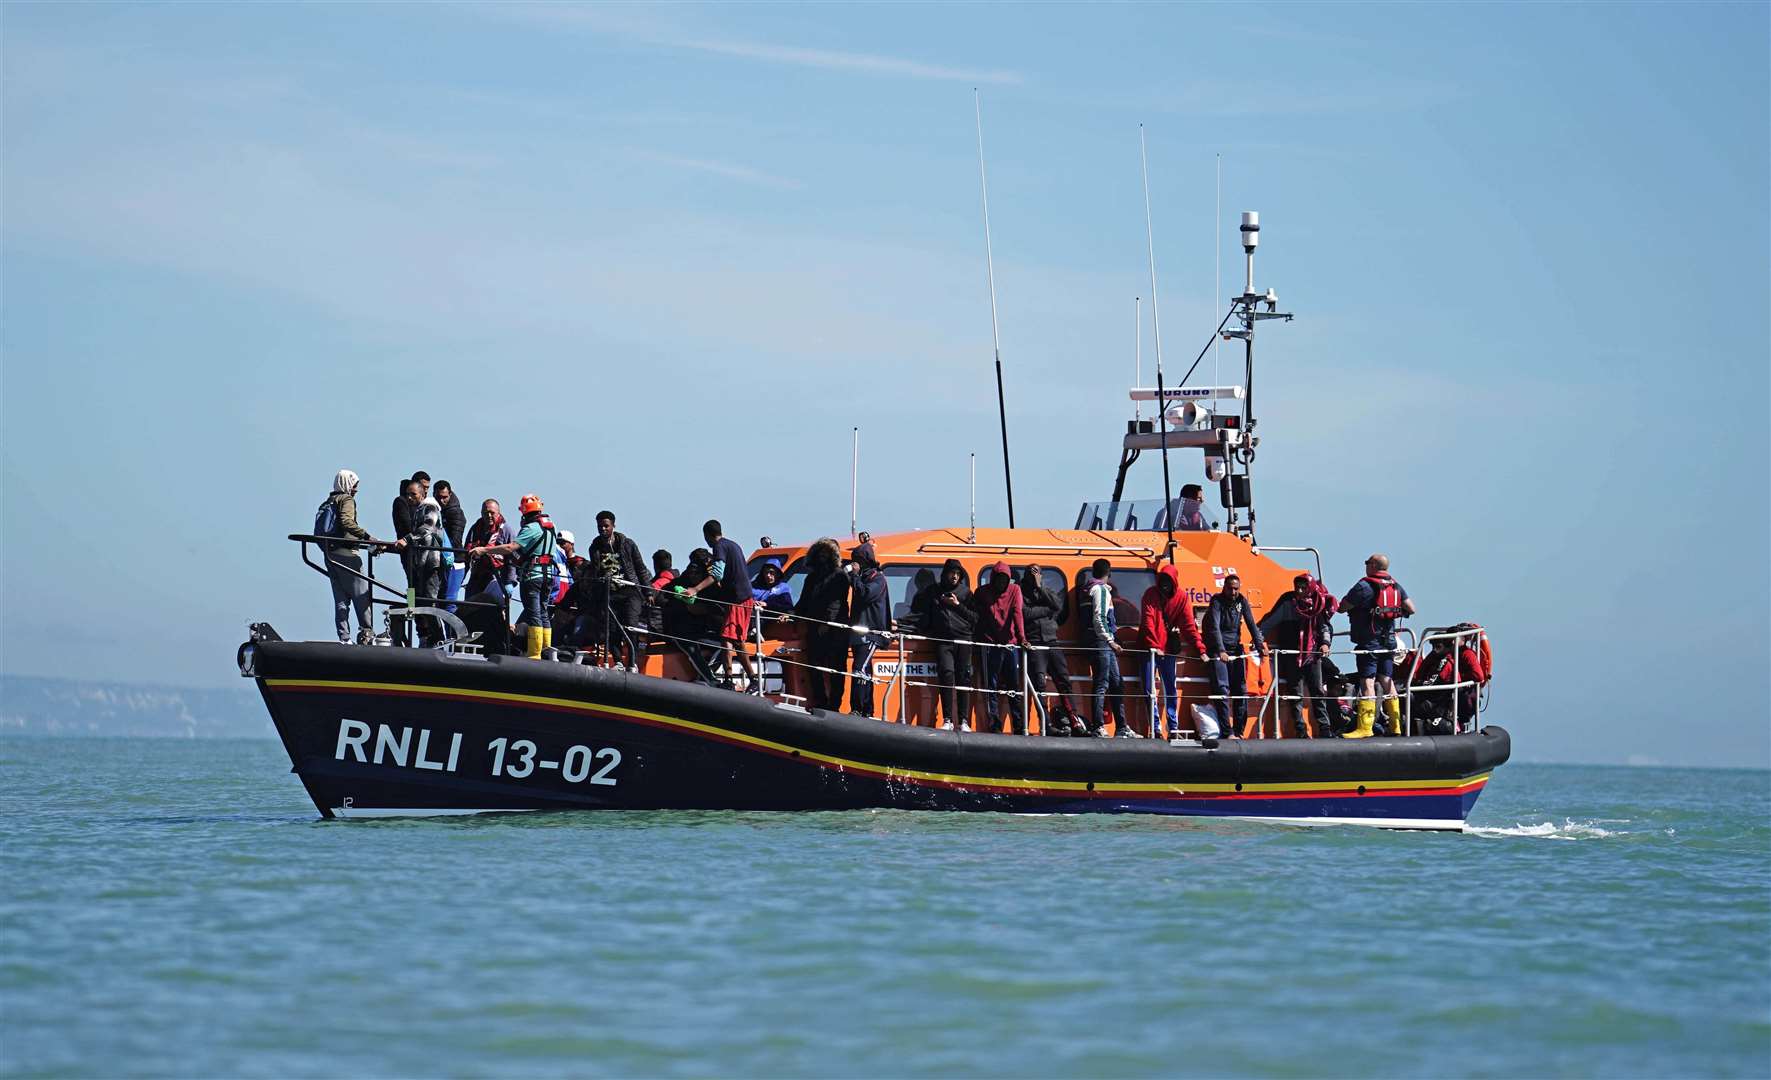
x,y
943,611
1225,617
1043,610
823,601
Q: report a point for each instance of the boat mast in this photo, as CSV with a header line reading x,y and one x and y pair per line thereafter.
x,y
1236,486
995,335
1156,334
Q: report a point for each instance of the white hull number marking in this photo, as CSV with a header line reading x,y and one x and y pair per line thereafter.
x,y
393,746
521,763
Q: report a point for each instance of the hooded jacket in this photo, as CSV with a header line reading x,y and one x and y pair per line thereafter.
x,y
455,525
1000,618
776,597
1167,622
871,605
1041,608
344,494
948,622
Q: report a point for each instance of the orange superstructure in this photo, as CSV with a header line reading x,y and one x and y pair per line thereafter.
x,y
911,560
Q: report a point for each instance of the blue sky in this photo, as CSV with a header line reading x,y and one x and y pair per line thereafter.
x,y
662,259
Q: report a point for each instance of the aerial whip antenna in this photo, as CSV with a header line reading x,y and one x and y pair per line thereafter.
x,y
1168,515
854,476
972,536
1137,351
1217,272
995,335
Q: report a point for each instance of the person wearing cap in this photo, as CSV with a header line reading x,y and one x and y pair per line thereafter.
x,y
534,551
1373,606
617,596
1001,636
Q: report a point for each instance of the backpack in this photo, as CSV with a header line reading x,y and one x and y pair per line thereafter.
x,y
326,518
1386,599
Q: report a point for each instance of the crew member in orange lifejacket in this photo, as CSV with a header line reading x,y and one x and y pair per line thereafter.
x,y
1373,606
534,549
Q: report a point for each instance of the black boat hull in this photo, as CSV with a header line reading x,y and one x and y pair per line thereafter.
x,y
383,732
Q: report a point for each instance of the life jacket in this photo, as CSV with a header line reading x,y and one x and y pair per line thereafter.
x,y
541,555
1484,652
1386,598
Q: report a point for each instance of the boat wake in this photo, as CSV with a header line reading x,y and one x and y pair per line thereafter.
x,y
1568,830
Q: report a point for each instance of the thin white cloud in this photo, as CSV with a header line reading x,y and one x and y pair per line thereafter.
x,y
623,23
839,60
741,173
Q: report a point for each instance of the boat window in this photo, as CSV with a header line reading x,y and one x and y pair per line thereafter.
x,y
904,582
1128,592
794,570
1052,578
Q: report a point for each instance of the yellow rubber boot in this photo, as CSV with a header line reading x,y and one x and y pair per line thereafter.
x,y
1393,715
547,637
1365,715
532,642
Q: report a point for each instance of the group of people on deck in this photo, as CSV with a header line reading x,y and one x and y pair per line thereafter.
x,y
607,599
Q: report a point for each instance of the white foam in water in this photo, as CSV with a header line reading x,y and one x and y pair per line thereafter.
x,y
1568,830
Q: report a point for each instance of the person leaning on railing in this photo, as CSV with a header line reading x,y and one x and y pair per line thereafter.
x,y
1166,628
1225,617
1373,605
1100,627
1002,630
1043,610
823,601
942,610
870,608
350,589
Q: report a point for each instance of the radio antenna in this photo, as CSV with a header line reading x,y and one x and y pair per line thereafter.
x,y
1217,273
854,477
1168,516
1137,363
995,334
972,536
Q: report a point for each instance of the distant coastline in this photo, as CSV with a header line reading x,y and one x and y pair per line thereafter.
x,y
34,705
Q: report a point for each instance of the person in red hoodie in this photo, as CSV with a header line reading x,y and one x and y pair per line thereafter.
x,y
1001,622
1166,627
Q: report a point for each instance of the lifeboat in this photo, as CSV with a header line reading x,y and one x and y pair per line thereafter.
x,y
386,730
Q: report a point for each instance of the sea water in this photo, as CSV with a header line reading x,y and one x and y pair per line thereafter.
x,y
175,908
